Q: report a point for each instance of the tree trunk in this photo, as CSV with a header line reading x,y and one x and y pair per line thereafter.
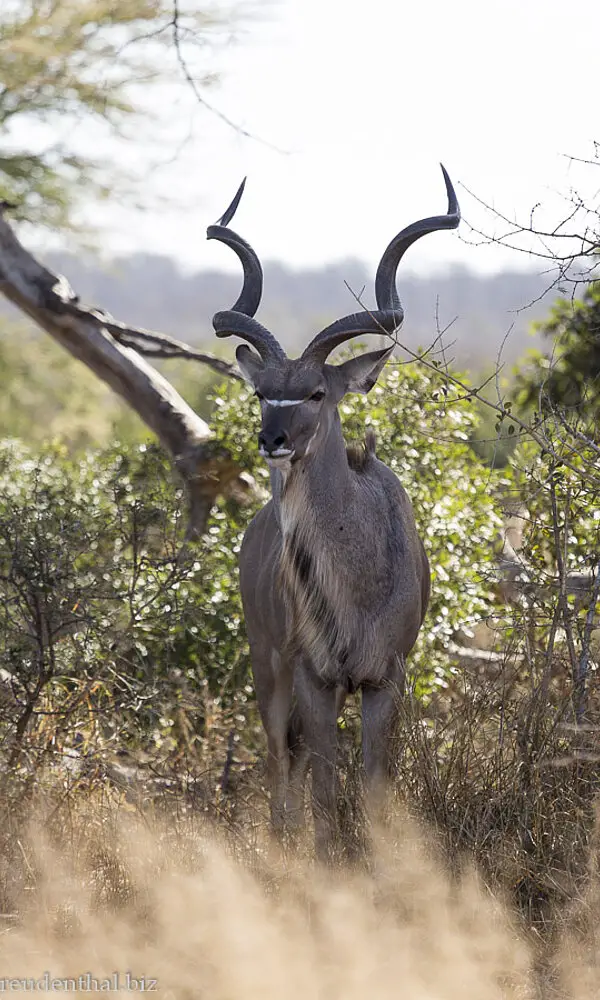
x,y
103,345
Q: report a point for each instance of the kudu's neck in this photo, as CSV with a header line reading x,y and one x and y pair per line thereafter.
x,y
320,482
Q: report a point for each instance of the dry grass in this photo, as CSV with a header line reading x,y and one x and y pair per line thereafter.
x,y
221,916
485,883
204,918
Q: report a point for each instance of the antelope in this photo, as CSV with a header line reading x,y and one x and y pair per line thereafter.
x,y
334,577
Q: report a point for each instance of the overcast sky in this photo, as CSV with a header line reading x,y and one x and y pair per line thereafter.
x,y
366,99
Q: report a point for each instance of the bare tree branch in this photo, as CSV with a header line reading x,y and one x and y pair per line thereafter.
x,y
159,345
183,65
102,345
534,430
570,246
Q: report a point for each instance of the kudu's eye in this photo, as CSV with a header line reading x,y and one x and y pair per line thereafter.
x,y
318,395
258,395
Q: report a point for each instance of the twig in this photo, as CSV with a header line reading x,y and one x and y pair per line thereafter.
x,y
175,23
587,630
544,443
579,689
160,345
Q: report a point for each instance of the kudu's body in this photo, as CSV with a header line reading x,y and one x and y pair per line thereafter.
x,y
334,577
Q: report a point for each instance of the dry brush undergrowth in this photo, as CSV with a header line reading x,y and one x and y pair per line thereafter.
x,y
483,884
203,916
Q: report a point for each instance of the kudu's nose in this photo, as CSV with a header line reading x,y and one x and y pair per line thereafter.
x,y
274,443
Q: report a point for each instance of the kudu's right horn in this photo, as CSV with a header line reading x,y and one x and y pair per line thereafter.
x,y
238,321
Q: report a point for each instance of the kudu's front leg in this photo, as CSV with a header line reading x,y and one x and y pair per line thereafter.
x,y
299,757
317,706
273,685
380,712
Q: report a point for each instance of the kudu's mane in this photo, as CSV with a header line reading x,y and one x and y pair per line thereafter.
x,y
315,626
359,455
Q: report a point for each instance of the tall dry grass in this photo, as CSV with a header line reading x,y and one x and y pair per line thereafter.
x,y
484,883
176,904
101,891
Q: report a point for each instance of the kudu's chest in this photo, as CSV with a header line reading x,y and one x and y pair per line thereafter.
x,y
339,584
342,594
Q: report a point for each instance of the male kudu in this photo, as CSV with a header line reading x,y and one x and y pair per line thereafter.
x,y
334,577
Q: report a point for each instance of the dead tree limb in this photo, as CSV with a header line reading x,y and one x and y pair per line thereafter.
x,y
112,351
159,345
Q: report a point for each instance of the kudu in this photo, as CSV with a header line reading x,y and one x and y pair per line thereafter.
x,y
334,577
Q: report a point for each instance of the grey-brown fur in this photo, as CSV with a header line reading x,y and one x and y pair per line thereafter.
x,y
341,581
334,577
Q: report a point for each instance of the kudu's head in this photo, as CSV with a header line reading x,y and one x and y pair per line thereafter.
x,y
299,397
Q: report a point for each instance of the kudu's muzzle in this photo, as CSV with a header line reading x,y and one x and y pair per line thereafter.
x,y
274,440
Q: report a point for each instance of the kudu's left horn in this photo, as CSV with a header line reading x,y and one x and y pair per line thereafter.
x,y
389,313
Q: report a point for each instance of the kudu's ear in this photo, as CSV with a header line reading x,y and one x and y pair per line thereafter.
x,y
249,363
361,373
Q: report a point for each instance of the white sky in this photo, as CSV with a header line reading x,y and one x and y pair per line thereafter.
x,y
367,98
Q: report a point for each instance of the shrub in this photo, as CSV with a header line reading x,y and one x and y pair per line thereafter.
x,y
111,636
